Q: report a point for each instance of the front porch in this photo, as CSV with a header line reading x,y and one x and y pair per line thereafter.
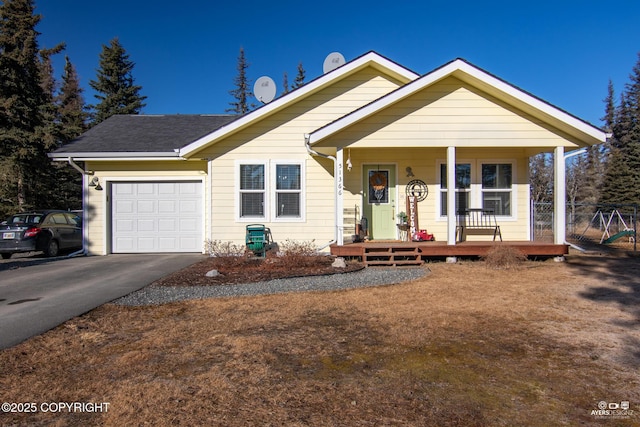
x,y
397,253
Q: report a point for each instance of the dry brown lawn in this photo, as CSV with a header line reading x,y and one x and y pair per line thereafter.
x,y
541,345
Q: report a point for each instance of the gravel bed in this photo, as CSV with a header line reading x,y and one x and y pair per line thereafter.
x,y
376,276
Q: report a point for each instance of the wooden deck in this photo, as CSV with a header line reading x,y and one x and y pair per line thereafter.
x,y
396,253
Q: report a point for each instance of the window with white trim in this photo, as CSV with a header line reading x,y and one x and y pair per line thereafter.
x,y
497,187
288,191
488,185
252,191
463,187
270,191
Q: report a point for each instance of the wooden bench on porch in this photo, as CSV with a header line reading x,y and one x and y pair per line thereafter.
x,y
478,222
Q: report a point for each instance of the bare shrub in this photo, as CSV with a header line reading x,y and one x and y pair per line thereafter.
x,y
502,257
302,253
225,252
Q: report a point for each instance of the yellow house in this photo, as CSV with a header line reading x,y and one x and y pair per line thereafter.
x,y
351,144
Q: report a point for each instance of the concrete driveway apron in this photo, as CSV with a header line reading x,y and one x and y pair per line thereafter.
x,y
39,295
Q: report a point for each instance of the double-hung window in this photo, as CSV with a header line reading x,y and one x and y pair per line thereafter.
x,y
463,187
270,191
497,188
480,184
252,191
288,191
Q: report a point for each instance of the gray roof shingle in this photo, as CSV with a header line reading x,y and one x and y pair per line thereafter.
x,y
145,133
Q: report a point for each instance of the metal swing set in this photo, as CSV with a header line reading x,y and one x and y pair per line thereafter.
x,y
607,237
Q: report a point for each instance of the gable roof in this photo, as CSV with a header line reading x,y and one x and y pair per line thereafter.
x,y
142,135
369,59
477,77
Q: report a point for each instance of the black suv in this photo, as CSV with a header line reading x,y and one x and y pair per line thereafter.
x,y
47,231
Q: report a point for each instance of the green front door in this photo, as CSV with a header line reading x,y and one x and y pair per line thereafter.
x,y
380,200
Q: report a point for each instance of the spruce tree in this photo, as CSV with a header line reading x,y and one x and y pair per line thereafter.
x,y
72,121
285,84
299,81
21,100
242,92
622,178
117,92
71,106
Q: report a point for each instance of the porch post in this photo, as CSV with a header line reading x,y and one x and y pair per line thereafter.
x,y
339,180
559,196
451,195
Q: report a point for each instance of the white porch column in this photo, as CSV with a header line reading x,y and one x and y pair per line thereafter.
x,y
559,196
451,195
339,180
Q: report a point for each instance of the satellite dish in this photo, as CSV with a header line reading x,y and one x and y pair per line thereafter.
x,y
332,61
264,89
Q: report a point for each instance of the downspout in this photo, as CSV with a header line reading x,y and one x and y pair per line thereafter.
x,y
210,198
335,192
84,251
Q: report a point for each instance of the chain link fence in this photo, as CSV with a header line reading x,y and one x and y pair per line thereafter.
x,y
589,225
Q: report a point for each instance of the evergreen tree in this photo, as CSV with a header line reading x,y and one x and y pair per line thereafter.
x,y
622,178
21,100
72,111
609,108
242,93
299,81
285,84
117,92
72,121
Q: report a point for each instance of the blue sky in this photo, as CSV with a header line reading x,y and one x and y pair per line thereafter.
x,y
562,51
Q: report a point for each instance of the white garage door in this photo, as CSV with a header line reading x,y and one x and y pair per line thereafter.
x,y
156,217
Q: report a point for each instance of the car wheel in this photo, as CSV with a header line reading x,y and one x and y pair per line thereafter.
x,y
6,255
52,248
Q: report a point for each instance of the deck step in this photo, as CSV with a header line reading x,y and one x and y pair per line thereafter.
x,y
391,256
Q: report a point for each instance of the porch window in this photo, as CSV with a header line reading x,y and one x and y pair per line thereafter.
x,y
463,187
497,188
288,191
252,191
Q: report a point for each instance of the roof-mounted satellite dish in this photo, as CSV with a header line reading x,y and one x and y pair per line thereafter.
x,y
332,61
264,89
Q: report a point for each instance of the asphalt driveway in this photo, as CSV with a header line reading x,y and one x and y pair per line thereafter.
x,y
39,294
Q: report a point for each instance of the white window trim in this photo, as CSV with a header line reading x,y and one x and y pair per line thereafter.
x,y
475,198
238,198
270,199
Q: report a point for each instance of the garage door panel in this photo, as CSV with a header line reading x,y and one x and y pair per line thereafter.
x,y
187,225
146,225
167,207
190,189
124,206
167,224
157,217
145,188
